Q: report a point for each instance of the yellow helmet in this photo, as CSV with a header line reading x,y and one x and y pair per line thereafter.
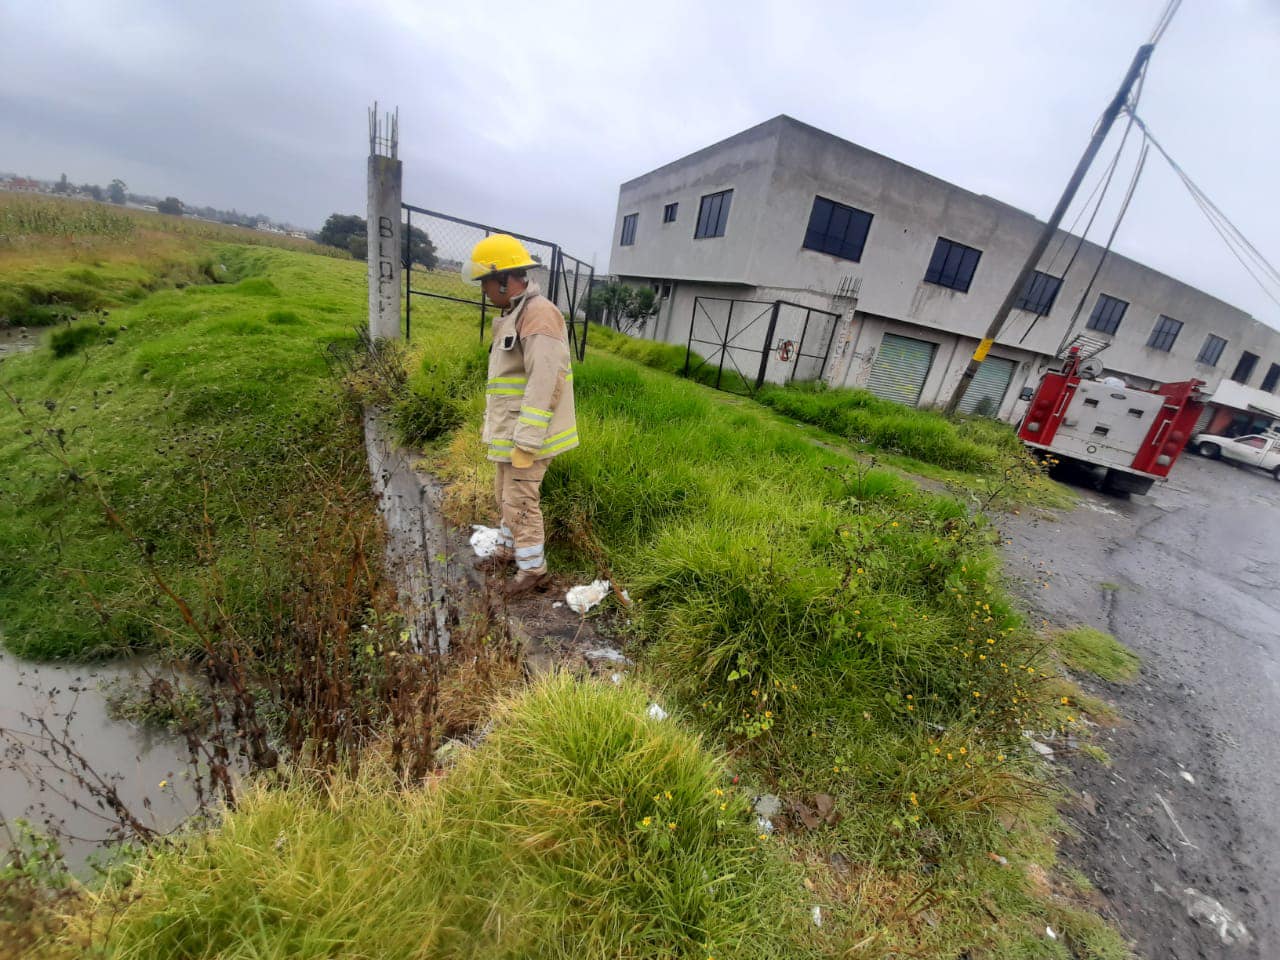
x,y
496,254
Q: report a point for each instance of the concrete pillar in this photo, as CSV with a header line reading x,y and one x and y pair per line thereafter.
x,y
842,348
384,229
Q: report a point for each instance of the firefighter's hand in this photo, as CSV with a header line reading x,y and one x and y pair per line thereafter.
x,y
521,458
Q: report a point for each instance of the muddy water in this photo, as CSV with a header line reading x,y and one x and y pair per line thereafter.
x,y
17,340
71,700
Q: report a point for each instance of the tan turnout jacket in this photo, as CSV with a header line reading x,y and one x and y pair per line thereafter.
x,y
529,399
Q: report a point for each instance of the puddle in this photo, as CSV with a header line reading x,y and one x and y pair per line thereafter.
x,y
18,340
71,700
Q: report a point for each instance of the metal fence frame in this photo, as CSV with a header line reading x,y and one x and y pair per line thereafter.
x,y
727,339
565,274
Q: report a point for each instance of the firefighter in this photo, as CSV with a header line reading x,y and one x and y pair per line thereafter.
x,y
529,415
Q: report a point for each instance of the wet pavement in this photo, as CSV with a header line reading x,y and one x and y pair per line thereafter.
x,y
1182,833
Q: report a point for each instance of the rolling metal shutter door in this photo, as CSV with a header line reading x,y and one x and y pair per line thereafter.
x,y
900,368
989,383
1202,422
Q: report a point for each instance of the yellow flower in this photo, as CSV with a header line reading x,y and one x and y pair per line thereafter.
x,y
937,750
719,792
1065,701
894,524
764,836
724,806
999,758
950,757
860,570
914,801
963,751
163,784
646,821
768,714
990,640
1071,719
911,706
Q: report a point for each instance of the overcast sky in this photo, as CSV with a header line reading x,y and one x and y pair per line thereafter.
x,y
530,117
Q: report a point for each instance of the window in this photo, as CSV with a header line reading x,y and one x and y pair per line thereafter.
x,y
836,229
1272,378
1107,314
1164,333
669,213
1244,369
1039,293
713,214
1212,350
1256,442
952,265
629,229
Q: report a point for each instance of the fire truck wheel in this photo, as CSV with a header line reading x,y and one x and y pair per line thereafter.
x,y
1210,450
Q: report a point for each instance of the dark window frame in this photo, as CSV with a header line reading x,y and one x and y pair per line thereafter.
x,y
1271,379
1211,352
628,237
713,215
838,221
1039,293
1106,317
669,212
952,265
1249,362
1165,333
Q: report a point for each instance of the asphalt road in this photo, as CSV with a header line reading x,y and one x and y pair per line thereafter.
x,y
1189,578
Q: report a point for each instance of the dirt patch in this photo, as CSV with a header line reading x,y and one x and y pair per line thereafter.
x,y
1180,833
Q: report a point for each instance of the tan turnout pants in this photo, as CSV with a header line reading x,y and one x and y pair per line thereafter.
x,y
519,493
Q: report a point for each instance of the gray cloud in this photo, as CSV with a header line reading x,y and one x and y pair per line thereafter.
x,y
532,120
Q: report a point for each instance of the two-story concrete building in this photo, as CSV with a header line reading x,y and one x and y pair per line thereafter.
x,y
784,211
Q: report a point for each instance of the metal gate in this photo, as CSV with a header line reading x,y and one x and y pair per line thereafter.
x,y
436,246
987,388
739,345
900,368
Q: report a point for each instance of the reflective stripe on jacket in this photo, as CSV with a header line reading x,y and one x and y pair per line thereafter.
x,y
529,396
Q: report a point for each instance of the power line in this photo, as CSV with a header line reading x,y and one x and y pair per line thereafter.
x,y
1165,19
1231,235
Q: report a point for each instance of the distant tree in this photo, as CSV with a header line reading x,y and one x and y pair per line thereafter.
x,y
340,228
116,191
92,189
609,302
170,205
62,186
358,244
420,248
642,303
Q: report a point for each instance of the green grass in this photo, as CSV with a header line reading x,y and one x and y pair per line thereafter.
x,y
841,631
1089,650
59,258
214,398
580,828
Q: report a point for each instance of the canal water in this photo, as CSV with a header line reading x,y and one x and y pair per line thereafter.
x,y
147,767
17,339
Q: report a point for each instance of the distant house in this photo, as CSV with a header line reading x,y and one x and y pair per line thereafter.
x,y
266,226
300,234
22,185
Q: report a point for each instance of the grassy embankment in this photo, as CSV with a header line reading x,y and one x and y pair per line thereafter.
x,y
839,632
190,389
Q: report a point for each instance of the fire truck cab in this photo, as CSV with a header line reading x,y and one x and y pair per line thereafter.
x,y
1126,438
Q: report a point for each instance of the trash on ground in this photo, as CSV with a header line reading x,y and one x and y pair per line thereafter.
x,y
1186,776
607,653
768,805
557,605
1041,748
817,916
583,598
485,540
656,712
1204,909
1048,932
996,858
764,824
616,678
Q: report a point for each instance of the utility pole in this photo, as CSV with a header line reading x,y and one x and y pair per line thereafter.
x,y
1033,258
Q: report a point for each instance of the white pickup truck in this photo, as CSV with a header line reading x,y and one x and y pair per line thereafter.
x,y
1255,450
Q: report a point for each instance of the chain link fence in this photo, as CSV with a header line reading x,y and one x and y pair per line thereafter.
x,y
436,247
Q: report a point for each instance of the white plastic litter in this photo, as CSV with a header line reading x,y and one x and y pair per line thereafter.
x,y
607,653
1048,932
1186,776
616,678
583,598
764,824
817,916
485,540
656,712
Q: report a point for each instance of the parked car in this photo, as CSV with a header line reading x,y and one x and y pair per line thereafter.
x,y
1255,450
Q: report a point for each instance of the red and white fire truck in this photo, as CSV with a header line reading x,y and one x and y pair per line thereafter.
x,y
1125,437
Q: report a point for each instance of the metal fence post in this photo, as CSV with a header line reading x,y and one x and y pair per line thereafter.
x,y
795,367
688,350
768,339
408,273
724,347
